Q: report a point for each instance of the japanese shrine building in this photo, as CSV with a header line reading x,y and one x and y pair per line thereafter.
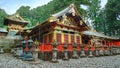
x,y
64,27
15,23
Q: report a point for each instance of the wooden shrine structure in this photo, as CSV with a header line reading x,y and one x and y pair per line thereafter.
x,y
15,23
15,26
64,27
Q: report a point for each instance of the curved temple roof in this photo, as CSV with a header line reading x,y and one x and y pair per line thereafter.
x,y
17,18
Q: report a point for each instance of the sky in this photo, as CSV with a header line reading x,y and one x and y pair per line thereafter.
x,y
10,6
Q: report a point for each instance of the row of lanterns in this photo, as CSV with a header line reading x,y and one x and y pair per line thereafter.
x,y
98,52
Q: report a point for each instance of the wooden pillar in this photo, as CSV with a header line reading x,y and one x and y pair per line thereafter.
x,y
75,38
80,39
47,38
62,39
69,38
54,36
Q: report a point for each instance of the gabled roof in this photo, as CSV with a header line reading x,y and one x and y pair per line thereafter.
x,y
72,12
16,18
69,9
66,10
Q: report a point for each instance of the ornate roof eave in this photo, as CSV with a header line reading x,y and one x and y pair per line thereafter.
x,y
21,22
15,18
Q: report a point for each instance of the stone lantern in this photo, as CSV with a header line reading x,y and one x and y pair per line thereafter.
x,y
105,51
65,52
101,51
75,55
54,52
114,50
29,55
22,56
90,52
82,54
118,50
110,50
97,51
35,52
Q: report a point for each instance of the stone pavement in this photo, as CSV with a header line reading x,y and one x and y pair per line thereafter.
x,y
8,61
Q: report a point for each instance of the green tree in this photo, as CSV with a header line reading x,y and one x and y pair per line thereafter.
x,y
2,15
112,10
93,13
24,11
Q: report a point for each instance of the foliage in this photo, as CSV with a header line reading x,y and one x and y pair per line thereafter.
x,y
93,13
106,20
24,11
112,11
2,14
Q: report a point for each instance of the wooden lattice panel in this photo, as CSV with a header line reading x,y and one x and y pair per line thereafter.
x,y
78,39
50,38
66,38
45,39
58,38
72,39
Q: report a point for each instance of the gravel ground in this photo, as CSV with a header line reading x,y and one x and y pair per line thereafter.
x,y
8,61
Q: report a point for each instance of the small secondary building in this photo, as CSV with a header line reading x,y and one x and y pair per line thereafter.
x,y
15,23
